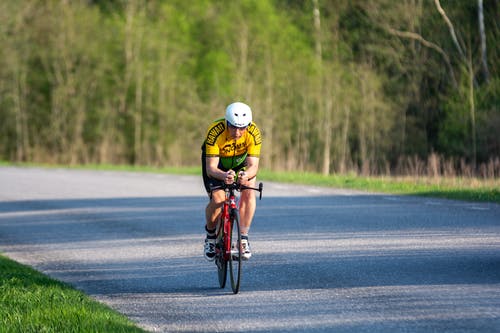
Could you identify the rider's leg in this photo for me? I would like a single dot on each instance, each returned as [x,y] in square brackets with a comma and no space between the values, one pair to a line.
[247,208]
[213,209]
[212,212]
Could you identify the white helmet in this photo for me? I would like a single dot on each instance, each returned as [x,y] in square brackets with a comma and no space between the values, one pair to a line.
[239,114]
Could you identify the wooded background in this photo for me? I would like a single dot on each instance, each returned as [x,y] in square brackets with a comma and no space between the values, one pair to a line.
[372,87]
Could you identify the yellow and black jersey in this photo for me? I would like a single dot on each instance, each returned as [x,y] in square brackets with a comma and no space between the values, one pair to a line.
[218,143]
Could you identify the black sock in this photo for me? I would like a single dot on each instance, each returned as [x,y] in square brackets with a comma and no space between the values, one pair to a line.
[210,233]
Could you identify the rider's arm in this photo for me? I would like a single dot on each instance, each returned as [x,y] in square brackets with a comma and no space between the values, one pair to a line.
[252,166]
[254,142]
[214,172]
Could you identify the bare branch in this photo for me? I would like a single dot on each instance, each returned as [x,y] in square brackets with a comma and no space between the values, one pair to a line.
[452,29]
[426,43]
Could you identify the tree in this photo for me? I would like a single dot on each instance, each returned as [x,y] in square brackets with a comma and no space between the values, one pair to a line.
[336,86]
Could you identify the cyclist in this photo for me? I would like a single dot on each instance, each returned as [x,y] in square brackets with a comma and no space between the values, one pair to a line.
[231,147]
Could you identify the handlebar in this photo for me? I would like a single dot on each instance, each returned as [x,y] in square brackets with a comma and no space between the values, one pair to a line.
[239,187]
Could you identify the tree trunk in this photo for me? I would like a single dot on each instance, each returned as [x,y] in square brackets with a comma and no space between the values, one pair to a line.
[243,82]
[22,142]
[269,123]
[323,109]
[472,113]
[345,136]
[482,35]
[327,136]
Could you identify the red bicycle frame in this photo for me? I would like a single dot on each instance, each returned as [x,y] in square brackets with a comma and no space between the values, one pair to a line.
[229,203]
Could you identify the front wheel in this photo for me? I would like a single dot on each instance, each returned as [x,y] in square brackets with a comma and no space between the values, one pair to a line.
[235,259]
[221,263]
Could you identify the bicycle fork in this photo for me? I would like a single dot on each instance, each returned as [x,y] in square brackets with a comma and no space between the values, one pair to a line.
[227,217]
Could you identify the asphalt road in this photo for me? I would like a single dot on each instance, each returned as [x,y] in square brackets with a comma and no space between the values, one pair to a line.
[324,260]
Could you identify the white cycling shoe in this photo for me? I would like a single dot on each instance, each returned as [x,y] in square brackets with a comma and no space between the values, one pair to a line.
[246,253]
[209,249]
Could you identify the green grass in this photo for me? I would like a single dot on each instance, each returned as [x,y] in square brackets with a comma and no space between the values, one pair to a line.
[32,302]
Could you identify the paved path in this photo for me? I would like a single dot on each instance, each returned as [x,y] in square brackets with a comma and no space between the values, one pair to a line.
[324,260]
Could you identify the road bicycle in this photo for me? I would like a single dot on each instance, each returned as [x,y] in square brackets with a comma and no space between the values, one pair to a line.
[228,243]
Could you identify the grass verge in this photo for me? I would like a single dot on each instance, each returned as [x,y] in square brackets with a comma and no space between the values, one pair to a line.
[33,302]
[467,189]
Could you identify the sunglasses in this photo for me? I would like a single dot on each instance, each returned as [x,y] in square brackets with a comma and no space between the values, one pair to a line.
[236,127]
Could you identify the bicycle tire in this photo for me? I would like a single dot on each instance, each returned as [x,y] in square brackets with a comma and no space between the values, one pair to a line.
[235,259]
[221,263]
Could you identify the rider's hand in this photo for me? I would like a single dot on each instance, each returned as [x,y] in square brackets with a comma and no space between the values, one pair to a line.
[242,177]
[229,179]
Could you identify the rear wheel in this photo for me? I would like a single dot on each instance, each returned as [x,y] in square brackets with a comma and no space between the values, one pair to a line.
[235,259]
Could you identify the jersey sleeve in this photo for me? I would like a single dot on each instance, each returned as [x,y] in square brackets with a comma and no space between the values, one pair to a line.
[255,141]
[214,131]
